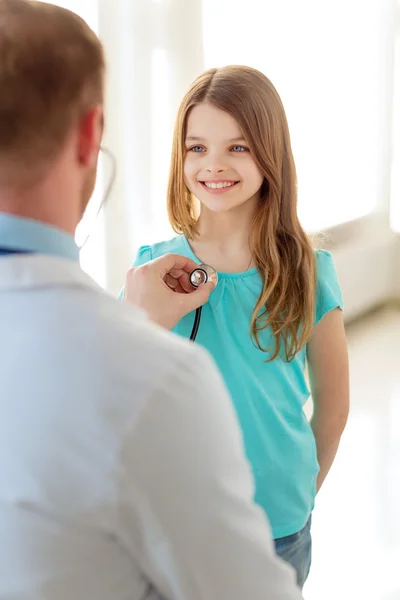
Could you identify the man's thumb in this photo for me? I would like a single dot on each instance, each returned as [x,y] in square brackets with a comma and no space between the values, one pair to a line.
[200,296]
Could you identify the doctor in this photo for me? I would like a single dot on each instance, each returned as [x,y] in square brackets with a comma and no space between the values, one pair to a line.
[122,473]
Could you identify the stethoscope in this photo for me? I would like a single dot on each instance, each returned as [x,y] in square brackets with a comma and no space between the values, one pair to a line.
[198,277]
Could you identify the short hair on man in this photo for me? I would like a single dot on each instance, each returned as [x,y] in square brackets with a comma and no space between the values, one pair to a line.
[51,71]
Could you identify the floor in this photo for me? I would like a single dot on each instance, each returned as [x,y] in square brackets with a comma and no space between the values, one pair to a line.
[356,524]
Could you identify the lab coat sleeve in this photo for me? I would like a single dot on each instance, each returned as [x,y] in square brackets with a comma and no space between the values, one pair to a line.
[187,512]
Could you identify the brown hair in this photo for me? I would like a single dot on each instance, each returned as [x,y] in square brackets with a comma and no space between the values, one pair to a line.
[51,72]
[282,251]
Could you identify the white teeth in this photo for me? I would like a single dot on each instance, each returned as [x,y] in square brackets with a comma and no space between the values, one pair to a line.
[217,186]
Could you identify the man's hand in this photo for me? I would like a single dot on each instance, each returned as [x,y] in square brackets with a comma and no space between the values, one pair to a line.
[162,288]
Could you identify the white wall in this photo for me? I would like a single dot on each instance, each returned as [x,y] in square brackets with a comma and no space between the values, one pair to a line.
[366,251]
[396,273]
[367,263]
[331,64]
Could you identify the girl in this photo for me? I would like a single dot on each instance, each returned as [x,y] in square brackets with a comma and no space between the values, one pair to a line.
[232,198]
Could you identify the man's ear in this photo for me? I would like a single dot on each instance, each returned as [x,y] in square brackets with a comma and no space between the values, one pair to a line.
[90,133]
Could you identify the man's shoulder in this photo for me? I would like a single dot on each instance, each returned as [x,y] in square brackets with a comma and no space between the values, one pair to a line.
[135,345]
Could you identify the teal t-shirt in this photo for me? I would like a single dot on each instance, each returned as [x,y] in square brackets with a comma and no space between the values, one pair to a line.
[268,397]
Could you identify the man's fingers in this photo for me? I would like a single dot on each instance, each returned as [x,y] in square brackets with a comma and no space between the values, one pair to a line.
[171,262]
[184,280]
[171,281]
[179,279]
[198,297]
[174,284]
[178,273]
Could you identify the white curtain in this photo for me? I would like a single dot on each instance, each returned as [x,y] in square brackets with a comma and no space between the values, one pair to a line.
[154,50]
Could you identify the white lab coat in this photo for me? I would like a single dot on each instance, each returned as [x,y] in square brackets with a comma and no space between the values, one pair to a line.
[122,472]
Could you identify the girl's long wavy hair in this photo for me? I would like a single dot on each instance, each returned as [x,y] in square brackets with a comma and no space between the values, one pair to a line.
[282,251]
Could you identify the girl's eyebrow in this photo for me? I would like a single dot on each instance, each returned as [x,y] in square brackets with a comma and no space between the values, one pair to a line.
[192,138]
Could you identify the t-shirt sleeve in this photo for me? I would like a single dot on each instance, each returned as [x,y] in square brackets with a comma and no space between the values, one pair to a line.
[143,256]
[328,293]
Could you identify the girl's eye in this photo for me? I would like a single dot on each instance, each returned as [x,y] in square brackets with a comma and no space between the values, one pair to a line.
[239,149]
[196,149]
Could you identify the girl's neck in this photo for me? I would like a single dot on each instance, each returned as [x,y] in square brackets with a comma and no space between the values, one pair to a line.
[227,227]
[223,241]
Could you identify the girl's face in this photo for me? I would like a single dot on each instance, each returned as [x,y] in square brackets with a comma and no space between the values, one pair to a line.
[219,169]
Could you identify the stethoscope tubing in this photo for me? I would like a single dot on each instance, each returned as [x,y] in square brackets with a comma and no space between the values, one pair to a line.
[200,276]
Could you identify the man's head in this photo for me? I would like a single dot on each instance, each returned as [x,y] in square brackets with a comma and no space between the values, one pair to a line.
[51,118]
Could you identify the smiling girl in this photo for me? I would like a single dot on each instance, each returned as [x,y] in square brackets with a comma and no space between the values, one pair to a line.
[232,200]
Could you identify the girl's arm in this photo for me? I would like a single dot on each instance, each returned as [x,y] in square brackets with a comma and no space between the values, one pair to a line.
[329,379]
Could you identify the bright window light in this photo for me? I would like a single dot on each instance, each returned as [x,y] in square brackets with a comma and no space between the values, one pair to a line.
[162,122]
[326,59]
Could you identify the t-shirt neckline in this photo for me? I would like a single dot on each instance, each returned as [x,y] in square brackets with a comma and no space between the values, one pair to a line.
[223,275]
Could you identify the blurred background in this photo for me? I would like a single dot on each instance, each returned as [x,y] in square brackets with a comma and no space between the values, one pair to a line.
[336,66]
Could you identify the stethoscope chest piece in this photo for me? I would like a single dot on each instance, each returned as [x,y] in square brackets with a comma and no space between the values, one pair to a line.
[199,277]
[202,275]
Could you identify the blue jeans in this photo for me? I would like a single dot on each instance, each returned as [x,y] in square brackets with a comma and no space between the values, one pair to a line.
[296,550]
